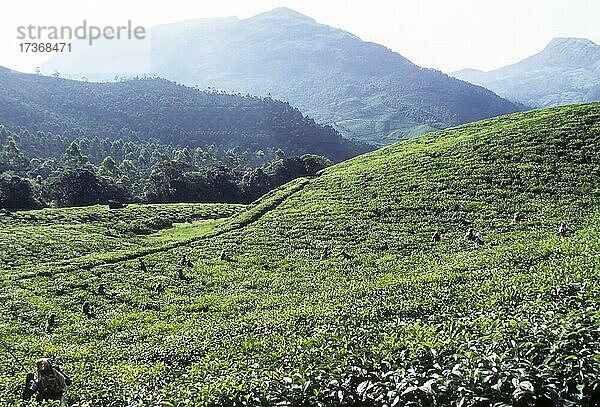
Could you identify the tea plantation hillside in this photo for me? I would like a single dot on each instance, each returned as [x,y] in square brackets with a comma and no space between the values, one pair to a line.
[331,290]
[54,235]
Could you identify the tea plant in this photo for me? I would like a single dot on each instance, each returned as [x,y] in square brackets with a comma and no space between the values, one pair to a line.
[331,291]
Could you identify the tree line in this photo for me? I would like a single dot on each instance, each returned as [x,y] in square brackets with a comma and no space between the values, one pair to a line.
[44,169]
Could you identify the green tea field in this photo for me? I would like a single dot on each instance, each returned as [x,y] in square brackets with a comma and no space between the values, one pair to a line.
[356,287]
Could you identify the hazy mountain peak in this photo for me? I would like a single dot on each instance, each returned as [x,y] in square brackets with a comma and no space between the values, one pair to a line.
[574,50]
[284,13]
[571,52]
[570,42]
[566,71]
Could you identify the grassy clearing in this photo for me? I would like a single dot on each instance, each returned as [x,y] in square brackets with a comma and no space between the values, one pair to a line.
[183,231]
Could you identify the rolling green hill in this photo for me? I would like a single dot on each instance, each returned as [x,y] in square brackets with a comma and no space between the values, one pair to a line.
[365,90]
[387,317]
[157,110]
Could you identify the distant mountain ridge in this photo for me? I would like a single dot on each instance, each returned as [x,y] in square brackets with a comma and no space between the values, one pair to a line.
[365,90]
[158,110]
[566,71]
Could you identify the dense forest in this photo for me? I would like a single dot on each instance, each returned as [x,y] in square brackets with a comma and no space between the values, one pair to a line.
[44,169]
[70,143]
[159,111]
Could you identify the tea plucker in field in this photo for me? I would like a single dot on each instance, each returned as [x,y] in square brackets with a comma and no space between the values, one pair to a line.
[50,384]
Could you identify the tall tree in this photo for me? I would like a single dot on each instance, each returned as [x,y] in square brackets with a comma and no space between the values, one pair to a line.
[74,158]
[13,156]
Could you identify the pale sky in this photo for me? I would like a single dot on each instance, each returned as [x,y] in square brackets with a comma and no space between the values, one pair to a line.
[444,34]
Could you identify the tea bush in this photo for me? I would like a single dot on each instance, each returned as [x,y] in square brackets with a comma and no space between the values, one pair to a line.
[265,318]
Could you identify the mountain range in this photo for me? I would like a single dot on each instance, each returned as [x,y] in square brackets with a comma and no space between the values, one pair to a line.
[365,90]
[566,71]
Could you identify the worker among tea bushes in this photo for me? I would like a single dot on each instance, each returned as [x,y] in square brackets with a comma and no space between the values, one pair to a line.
[185,262]
[50,384]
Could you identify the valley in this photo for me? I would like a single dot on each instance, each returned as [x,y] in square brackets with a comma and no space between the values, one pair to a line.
[299,207]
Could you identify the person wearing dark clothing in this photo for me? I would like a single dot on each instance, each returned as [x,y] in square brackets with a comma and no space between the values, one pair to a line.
[50,384]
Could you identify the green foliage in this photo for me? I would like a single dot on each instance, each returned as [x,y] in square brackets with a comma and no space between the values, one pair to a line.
[160,111]
[146,172]
[12,155]
[53,235]
[74,159]
[285,169]
[16,193]
[263,318]
[80,187]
